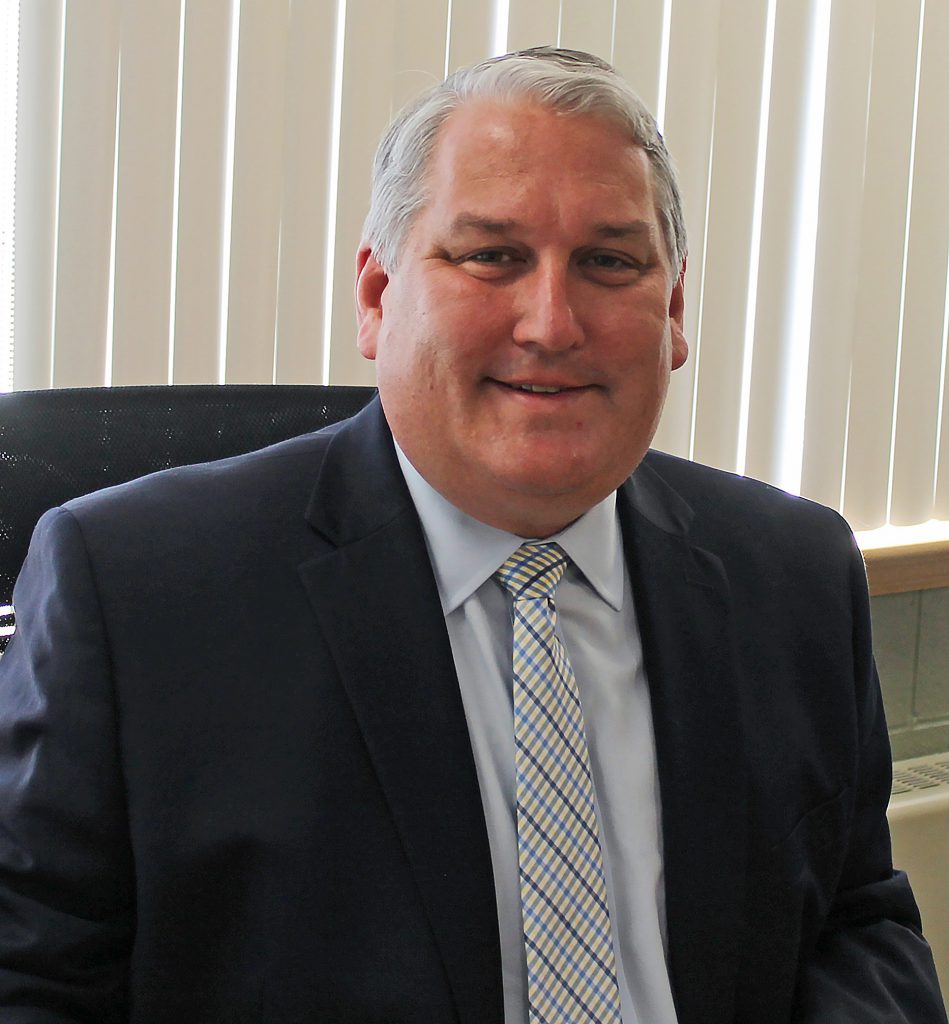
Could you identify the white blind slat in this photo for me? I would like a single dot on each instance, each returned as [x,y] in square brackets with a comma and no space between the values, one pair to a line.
[941,503]
[741,54]
[783,203]
[587,25]
[374,87]
[834,300]
[307,152]
[880,262]
[917,417]
[145,191]
[637,48]
[687,125]
[471,32]
[258,182]
[418,58]
[87,172]
[532,23]
[37,147]
[367,78]
[201,190]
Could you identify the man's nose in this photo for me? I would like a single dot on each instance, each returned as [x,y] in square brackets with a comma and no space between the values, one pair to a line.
[545,313]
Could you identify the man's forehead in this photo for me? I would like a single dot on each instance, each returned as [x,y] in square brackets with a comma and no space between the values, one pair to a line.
[494,191]
[482,140]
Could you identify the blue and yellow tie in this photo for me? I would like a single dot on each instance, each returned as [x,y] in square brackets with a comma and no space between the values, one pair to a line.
[571,973]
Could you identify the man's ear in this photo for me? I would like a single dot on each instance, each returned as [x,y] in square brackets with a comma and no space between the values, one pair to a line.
[371,281]
[680,347]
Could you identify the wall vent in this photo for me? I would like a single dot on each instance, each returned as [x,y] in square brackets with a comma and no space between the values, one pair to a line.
[922,773]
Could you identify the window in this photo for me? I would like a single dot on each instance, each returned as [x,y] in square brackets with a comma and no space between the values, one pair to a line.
[198,173]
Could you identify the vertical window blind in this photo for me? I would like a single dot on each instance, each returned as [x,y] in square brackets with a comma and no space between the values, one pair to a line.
[192,177]
[9,14]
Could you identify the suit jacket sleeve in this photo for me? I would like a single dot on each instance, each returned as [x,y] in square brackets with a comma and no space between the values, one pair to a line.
[870,962]
[66,883]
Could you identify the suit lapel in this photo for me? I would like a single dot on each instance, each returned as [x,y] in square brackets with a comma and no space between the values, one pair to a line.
[682,605]
[375,596]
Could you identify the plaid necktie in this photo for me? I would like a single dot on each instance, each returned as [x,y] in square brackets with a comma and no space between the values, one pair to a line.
[571,974]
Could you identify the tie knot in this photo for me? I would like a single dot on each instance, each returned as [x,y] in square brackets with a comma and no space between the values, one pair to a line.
[533,571]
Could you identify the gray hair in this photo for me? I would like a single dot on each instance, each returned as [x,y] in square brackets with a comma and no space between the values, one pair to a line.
[565,80]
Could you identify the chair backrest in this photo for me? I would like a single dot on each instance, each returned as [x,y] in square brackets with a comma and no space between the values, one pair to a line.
[58,444]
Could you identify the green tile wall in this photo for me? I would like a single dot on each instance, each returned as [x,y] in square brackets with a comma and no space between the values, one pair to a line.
[911,642]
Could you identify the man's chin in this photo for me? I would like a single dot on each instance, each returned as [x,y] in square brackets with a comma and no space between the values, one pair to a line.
[563,478]
[545,502]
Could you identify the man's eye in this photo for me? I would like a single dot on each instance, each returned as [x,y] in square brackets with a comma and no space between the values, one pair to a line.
[491,256]
[610,261]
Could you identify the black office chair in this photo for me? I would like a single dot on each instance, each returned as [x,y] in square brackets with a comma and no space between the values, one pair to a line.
[56,445]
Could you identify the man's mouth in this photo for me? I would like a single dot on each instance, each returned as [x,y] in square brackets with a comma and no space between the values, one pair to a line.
[538,389]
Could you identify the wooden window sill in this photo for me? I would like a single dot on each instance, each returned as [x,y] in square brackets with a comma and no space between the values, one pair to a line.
[897,570]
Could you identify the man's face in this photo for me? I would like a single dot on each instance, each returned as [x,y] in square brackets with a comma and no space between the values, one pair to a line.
[523,345]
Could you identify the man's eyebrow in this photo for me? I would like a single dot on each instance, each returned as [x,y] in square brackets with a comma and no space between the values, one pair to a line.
[492,226]
[472,221]
[624,230]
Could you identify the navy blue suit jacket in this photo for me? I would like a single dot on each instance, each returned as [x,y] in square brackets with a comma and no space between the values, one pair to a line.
[236,782]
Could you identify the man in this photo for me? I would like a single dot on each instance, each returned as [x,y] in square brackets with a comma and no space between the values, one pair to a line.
[265,755]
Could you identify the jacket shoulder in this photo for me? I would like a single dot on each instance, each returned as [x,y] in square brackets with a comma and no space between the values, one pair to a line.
[708,490]
[751,523]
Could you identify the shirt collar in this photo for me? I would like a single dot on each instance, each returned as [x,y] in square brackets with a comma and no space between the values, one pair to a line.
[465,552]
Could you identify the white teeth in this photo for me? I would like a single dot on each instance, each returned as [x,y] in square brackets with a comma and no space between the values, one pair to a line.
[538,389]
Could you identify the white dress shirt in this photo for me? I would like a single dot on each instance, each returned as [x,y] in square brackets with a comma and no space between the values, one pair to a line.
[597,623]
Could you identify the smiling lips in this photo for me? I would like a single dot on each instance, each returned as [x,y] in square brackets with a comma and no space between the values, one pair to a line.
[542,389]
